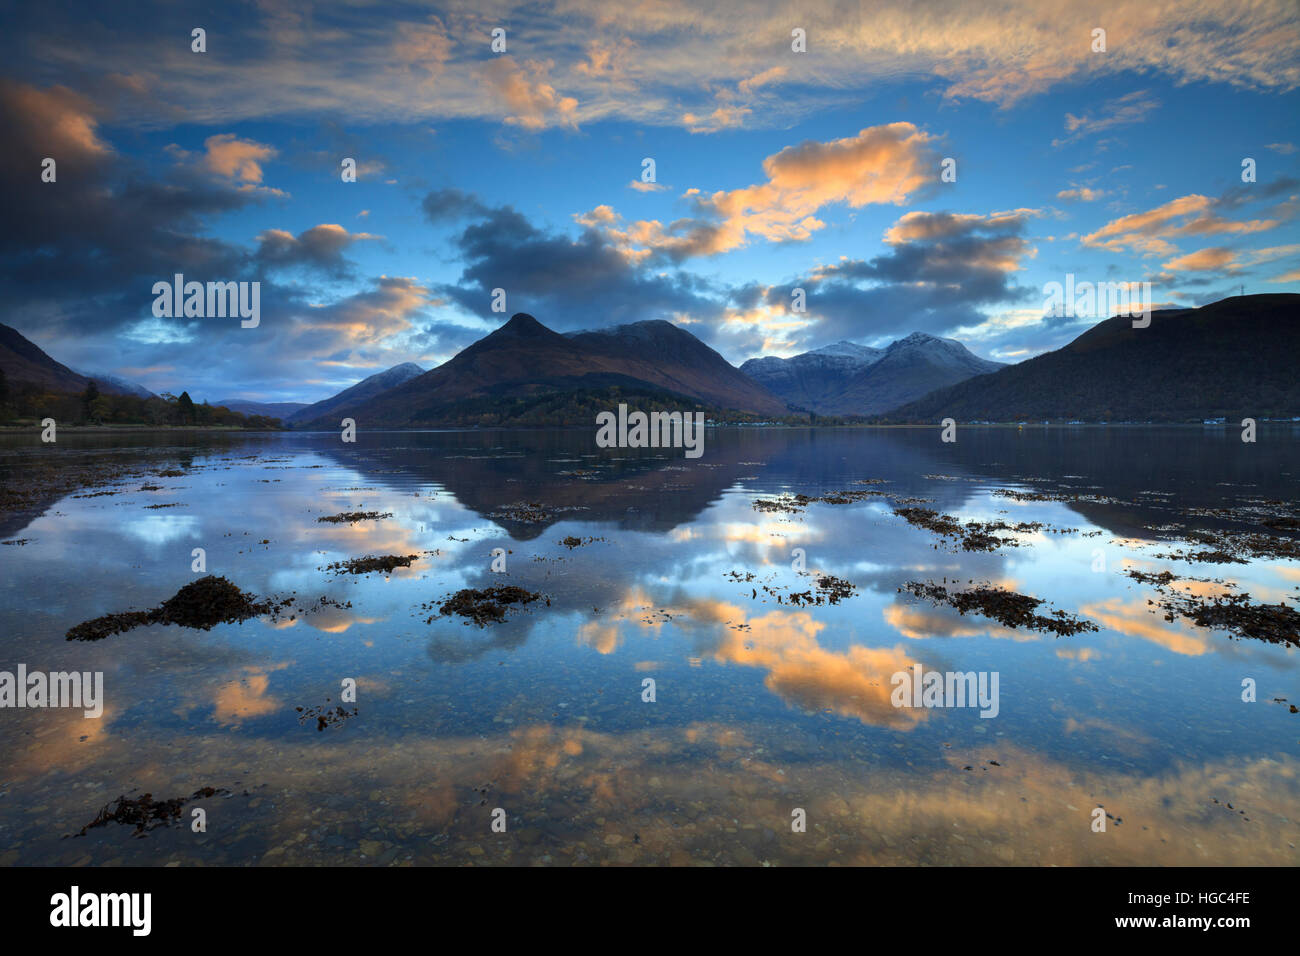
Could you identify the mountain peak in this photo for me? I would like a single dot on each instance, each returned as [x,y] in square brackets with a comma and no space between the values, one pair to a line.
[847,349]
[523,325]
[918,338]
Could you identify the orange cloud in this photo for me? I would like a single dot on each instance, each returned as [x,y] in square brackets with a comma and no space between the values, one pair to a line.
[1135,619]
[880,165]
[1148,232]
[854,683]
[1215,257]
[234,158]
[531,102]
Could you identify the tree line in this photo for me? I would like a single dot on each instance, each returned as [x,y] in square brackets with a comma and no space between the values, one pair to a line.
[23,403]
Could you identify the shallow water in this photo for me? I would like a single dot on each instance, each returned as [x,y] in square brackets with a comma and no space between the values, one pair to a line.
[761,707]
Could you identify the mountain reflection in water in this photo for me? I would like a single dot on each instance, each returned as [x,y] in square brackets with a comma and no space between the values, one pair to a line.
[764,702]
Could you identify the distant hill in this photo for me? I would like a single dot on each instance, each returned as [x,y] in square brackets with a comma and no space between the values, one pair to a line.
[108,382]
[524,371]
[354,395]
[23,361]
[280,410]
[846,379]
[38,387]
[813,380]
[1233,358]
[909,369]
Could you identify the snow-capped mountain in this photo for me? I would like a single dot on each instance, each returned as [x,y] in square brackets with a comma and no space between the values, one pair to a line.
[850,379]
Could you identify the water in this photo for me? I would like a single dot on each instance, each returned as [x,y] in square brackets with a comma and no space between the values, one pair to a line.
[762,708]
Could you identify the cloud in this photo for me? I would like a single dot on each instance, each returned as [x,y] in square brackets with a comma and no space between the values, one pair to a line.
[606,61]
[362,319]
[567,282]
[531,102]
[1082,194]
[424,47]
[649,65]
[83,252]
[80,257]
[724,117]
[940,270]
[237,159]
[880,165]
[1228,261]
[1124,111]
[765,78]
[449,204]
[1215,257]
[1149,232]
[320,247]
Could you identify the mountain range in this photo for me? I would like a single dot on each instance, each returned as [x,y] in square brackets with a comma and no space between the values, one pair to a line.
[852,380]
[525,373]
[291,412]
[1231,358]
[280,410]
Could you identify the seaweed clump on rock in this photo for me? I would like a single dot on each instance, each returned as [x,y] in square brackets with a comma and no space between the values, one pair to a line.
[1005,607]
[145,813]
[203,604]
[486,606]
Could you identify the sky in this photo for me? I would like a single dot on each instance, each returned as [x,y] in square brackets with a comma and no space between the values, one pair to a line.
[793,147]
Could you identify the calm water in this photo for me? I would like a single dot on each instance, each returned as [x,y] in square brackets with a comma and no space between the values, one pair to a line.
[761,707]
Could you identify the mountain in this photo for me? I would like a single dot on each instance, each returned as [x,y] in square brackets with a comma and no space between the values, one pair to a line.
[108,382]
[336,405]
[525,369]
[662,354]
[848,379]
[22,361]
[813,380]
[909,369]
[1232,358]
[280,410]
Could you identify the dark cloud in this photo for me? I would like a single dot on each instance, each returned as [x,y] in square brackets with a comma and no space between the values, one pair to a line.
[567,283]
[320,248]
[1251,192]
[448,204]
[88,247]
[938,274]
[80,256]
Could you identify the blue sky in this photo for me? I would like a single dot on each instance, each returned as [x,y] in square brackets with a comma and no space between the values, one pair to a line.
[776,170]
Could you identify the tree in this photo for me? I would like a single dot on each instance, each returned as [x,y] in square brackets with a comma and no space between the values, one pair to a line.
[4,387]
[88,397]
[186,406]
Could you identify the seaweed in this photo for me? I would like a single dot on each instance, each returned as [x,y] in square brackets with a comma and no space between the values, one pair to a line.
[1005,607]
[203,604]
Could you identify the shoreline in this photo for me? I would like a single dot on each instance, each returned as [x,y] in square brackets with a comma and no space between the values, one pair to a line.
[232,430]
[115,429]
